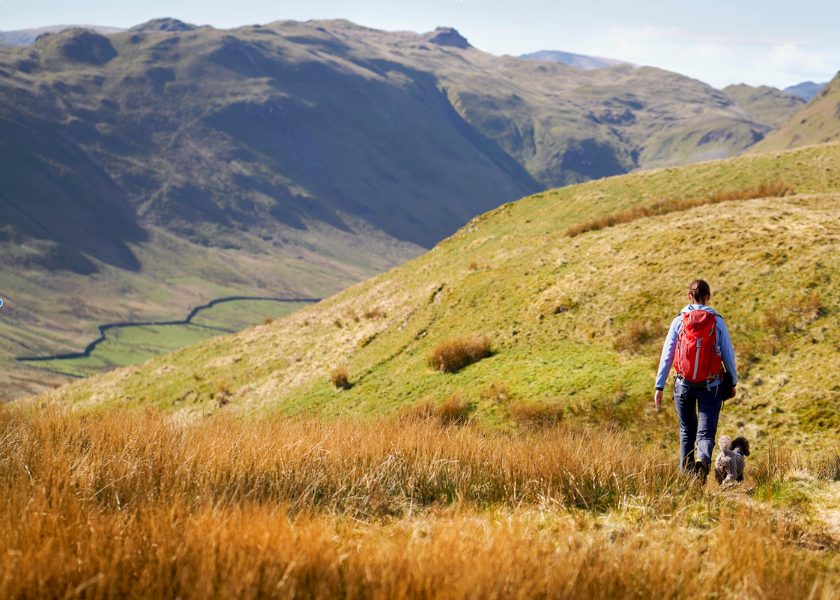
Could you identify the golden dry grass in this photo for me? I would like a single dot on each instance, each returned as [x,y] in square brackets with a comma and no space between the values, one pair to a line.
[375,313]
[766,190]
[118,459]
[454,354]
[453,411]
[536,414]
[340,377]
[638,334]
[136,505]
[254,553]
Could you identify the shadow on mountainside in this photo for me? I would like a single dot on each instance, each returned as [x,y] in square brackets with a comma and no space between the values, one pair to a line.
[58,192]
[399,157]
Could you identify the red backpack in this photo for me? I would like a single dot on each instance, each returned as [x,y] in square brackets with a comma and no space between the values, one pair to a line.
[698,355]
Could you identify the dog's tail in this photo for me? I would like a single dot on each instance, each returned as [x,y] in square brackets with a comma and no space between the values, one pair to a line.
[724,443]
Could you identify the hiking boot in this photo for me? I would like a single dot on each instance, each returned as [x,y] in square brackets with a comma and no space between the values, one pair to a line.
[702,471]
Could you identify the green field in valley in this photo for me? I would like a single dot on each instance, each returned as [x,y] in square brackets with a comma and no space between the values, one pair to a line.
[135,344]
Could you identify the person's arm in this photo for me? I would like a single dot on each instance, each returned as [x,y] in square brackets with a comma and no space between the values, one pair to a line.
[667,359]
[668,351]
[727,352]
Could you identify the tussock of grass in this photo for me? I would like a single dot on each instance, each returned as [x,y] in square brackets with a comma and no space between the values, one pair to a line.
[455,354]
[771,190]
[536,414]
[453,411]
[638,334]
[769,470]
[340,377]
[375,313]
[828,465]
[222,395]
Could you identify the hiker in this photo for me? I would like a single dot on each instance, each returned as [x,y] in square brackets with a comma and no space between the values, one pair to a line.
[699,341]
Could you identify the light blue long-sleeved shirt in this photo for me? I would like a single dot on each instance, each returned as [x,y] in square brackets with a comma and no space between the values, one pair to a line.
[727,354]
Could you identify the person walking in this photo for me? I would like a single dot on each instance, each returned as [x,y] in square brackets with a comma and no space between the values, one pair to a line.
[699,347]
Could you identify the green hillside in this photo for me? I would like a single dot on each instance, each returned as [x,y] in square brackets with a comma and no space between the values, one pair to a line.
[575,323]
[817,122]
[152,170]
[768,104]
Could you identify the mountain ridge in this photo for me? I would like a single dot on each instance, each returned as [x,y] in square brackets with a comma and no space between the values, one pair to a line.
[25,37]
[581,61]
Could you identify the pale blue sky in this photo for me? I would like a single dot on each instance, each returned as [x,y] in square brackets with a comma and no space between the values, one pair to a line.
[717,41]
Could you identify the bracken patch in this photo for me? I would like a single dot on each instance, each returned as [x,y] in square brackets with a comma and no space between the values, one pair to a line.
[771,190]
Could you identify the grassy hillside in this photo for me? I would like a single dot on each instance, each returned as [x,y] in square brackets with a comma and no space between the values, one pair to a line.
[817,122]
[576,323]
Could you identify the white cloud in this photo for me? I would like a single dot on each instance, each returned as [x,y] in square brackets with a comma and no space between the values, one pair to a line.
[720,59]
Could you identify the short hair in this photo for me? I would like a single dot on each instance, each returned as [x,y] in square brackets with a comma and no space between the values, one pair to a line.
[699,289]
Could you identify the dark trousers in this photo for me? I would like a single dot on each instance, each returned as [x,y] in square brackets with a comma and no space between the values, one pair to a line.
[698,410]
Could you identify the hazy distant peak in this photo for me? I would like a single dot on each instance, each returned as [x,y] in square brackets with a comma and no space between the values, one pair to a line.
[25,37]
[447,36]
[805,90]
[164,25]
[580,61]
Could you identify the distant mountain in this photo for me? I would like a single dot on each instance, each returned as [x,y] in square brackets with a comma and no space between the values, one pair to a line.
[768,104]
[814,123]
[151,170]
[805,90]
[164,25]
[25,37]
[579,61]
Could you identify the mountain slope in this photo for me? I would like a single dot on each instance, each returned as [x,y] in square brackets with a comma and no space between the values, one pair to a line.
[574,321]
[815,123]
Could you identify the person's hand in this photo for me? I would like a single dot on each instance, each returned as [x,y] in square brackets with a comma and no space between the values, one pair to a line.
[734,391]
[657,398]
